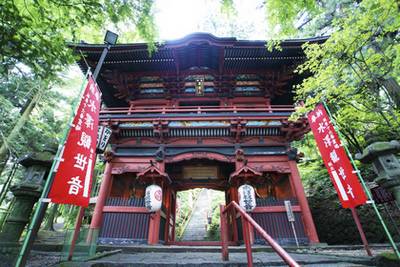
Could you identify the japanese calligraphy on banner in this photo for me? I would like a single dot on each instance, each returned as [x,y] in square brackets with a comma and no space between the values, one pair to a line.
[74,170]
[341,172]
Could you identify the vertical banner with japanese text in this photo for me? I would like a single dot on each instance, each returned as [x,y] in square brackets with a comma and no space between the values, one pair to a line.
[341,172]
[74,170]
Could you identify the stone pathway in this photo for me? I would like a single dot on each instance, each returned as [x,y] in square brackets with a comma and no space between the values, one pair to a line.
[211,257]
[196,228]
[214,260]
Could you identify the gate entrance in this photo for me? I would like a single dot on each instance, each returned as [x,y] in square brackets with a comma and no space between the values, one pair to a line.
[202,112]
[198,216]
[201,186]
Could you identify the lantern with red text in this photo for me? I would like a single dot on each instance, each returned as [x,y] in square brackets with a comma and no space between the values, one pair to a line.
[153,198]
[247,197]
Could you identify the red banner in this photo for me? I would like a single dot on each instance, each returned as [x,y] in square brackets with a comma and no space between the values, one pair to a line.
[341,172]
[74,170]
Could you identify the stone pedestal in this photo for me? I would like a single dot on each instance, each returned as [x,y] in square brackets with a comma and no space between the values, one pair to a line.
[25,197]
[382,155]
[26,194]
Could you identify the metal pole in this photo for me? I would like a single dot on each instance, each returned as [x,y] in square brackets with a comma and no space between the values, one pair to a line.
[40,210]
[294,233]
[391,218]
[361,231]
[78,224]
[389,236]
[100,62]
[82,209]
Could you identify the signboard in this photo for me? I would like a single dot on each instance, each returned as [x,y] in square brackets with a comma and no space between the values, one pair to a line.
[381,195]
[74,170]
[341,172]
[289,210]
[103,136]
[200,172]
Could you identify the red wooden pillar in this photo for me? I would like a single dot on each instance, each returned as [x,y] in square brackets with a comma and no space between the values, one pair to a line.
[154,228]
[251,233]
[301,197]
[234,197]
[168,215]
[247,241]
[101,200]
[224,233]
[173,212]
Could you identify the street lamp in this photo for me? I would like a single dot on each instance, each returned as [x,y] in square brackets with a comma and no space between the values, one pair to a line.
[110,39]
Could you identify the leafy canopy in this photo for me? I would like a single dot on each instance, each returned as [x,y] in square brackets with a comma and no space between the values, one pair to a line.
[34,32]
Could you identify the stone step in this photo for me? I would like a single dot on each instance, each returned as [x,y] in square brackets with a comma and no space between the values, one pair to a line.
[196,228]
[209,259]
[144,255]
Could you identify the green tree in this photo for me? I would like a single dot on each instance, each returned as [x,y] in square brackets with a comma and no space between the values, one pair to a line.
[356,71]
[34,37]
[34,33]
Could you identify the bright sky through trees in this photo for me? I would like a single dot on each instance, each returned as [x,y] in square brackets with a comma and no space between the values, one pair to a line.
[177,18]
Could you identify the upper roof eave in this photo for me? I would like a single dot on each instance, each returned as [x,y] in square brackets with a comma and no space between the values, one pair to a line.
[199,37]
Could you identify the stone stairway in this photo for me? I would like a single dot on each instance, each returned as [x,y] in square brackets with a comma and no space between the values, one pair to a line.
[196,228]
[210,256]
[213,259]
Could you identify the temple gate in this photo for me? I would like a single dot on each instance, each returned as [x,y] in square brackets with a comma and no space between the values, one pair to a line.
[199,112]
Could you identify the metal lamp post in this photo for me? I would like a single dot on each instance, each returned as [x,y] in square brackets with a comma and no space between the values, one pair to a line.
[110,39]
[103,134]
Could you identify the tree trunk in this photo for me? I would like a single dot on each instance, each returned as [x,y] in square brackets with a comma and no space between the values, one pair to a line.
[49,225]
[17,128]
[3,163]
[393,90]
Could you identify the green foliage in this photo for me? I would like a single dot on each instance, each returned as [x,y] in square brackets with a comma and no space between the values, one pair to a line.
[282,15]
[34,33]
[354,71]
[47,120]
[186,201]
[228,8]
[213,229]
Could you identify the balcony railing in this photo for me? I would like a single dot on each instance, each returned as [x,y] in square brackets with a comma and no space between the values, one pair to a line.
[178,112]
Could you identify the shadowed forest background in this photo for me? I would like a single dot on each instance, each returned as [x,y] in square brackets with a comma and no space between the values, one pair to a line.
[356,71]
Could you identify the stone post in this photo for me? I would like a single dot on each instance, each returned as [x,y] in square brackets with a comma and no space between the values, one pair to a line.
[26,193]
[386,165]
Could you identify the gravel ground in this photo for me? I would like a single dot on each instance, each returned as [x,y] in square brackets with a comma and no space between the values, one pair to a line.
[43,259]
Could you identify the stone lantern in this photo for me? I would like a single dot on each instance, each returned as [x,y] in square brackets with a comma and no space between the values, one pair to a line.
[26,193]
[386,165]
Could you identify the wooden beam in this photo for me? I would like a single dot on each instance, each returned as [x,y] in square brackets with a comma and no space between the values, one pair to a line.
[125,209]
[267,209]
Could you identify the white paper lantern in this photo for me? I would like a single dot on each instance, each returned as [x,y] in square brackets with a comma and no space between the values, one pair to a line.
[153,198]
[247,197]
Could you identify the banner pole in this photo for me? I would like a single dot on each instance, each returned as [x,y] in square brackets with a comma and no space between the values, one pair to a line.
[41,206]
[356,219]
[389,236]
